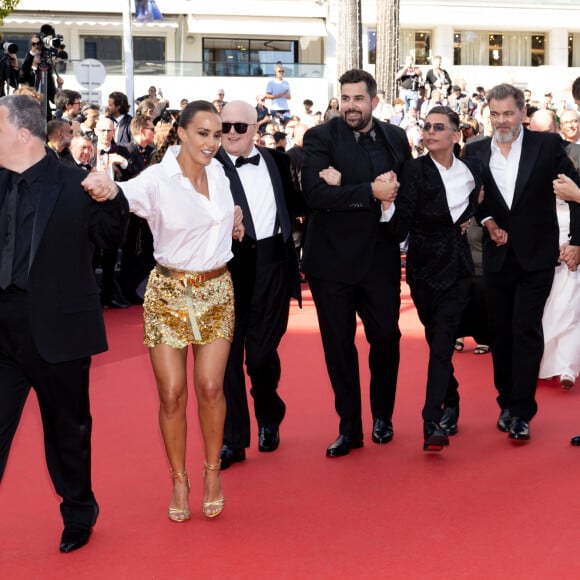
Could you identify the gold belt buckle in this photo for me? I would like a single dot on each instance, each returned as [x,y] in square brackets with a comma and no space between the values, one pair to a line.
[193,279]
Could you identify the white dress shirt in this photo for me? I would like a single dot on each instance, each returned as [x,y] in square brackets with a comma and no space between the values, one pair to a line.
[190,231]
[259,192]
[505,169]
[459,183]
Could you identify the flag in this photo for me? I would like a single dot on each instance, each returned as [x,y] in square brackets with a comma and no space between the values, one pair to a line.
[147,11]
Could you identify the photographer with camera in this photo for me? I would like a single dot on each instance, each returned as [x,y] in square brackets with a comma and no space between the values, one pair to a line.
[37,69]
[9,68]
[410,77]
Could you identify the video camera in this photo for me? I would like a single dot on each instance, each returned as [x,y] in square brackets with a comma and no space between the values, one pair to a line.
[10,48]
[51,41]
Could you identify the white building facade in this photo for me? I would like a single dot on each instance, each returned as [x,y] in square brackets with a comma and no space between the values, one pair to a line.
[201,46]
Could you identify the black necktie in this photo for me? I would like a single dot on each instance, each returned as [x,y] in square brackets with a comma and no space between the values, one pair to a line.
[7,255]
[255,160]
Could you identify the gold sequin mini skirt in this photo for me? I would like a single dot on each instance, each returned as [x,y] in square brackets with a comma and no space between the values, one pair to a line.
[182,308]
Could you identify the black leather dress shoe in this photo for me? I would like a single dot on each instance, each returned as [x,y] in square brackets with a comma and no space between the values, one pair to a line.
[74,536]
[115,303]
[504,420]
[268,438]
[343,445]
[575,440]
[382,431]
[449,420]
[229,455]
[434,436]
[519,429]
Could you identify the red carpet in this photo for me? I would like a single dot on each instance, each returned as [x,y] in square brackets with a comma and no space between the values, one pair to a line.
[483,508]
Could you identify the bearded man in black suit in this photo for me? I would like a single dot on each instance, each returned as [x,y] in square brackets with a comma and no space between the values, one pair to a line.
[265,275]
[50,312]
[351,257]
[520,248]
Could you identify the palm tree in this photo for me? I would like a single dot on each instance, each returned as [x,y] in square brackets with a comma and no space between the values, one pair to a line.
[388,47]
[349,48]
[6,7]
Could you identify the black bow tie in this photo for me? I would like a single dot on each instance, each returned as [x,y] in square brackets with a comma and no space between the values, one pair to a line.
[103,152]
[254,160]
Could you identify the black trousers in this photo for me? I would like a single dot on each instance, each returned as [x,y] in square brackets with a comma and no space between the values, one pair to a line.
[137,259]
[376,300]
[440,312]
[259,329]
[515,302]
[62,390]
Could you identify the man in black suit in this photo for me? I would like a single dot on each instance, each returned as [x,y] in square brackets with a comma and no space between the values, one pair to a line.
[265,275]
[113,160]
[351,258]
[50,315]
[520,248]
[137,259]
[438,197]
[118,110]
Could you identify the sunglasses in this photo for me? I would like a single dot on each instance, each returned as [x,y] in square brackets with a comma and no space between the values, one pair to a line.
[437,127]
[240,128]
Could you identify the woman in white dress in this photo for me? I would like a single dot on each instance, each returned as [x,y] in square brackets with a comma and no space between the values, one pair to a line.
[561,321]
[187,203]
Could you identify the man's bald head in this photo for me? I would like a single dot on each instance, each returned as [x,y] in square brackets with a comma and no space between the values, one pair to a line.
[239,112]
[544,120]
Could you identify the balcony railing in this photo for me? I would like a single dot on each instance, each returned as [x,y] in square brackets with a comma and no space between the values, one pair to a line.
[209,69]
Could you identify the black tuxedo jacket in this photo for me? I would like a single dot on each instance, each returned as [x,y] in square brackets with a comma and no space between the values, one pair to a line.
[288,203]
[438,253]
[531,222]
[134,158]
[345,235]
[119,174]
[63,295]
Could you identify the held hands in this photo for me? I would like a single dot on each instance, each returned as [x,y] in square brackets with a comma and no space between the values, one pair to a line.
[385,188]
[499,236]
[570,255]
[239,230]
[566,189]
[100,186]
[464,227]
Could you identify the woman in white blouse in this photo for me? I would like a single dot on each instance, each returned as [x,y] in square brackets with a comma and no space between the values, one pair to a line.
[187,203]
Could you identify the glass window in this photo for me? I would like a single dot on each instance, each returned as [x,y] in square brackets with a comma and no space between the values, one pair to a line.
[574,49]
[418,44]
[247,57]
[495,43]
[103,48]
[372,37]
[499,49]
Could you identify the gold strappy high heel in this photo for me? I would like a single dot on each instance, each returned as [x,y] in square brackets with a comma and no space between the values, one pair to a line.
[177,514]
[212,509]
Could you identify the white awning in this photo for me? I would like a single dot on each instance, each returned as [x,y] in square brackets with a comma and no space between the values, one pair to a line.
[67,20]
[252,26]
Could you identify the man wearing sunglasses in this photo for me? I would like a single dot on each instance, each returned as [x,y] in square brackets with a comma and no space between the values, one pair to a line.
[439,195]
[520,248]
[351,257]
[265,275]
